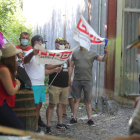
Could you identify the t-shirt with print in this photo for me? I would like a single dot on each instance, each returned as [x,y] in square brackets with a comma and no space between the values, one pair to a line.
[83,61]
[35,71]
[62,78]
[21,59]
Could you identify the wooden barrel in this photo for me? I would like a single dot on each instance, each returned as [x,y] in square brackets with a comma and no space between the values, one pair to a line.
[25,109]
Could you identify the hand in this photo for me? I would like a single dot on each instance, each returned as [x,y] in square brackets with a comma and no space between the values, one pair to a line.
[18,82]
[35,51]
[57,69]
[19,55]
[105,49]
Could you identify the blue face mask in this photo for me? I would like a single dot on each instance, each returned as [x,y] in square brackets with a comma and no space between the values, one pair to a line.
[24,42]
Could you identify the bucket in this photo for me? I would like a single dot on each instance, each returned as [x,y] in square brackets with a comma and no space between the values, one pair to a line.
[25,109]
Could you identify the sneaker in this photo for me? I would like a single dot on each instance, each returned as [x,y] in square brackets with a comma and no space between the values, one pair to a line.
[48,130]
[91,123]
[38,130]
[65,126]
[41,123]
[72,122]
[64,115]
[60,126]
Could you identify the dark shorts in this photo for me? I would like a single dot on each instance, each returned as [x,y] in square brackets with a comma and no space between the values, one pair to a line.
[78,86]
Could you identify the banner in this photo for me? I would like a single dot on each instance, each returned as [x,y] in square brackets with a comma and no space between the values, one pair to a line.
[85,35]
[2,40]
[53,57]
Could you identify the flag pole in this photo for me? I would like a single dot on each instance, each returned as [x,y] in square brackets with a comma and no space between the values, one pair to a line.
[53,79]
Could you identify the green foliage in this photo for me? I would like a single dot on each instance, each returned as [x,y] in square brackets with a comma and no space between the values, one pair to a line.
[12,21]
[45,106]
[96,110]
[46,82]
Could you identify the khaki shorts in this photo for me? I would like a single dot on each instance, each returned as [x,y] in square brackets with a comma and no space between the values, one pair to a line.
[58,95]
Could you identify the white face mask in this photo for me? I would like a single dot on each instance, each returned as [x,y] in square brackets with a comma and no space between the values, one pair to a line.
[61,47]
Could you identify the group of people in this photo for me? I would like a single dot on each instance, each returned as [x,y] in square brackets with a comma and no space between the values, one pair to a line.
[61,86]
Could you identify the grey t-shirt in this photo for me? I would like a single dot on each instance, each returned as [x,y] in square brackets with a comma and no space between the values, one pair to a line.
[83,61]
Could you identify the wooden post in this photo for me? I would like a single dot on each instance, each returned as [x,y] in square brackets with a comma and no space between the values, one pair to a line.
[8,130]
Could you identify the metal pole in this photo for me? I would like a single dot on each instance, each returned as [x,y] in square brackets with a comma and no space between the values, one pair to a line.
[98,50]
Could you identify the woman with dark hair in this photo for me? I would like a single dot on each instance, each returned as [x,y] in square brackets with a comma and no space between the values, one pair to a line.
[8,86]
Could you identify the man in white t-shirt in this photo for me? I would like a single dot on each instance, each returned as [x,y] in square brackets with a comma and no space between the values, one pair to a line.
[36,73]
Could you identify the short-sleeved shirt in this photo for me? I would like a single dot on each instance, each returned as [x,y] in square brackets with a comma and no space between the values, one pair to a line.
[61,80]
[83,61]
[21,60]
[35,71]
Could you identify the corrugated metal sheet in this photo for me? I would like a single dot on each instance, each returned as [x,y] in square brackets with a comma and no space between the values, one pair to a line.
[130,68]
[69,11]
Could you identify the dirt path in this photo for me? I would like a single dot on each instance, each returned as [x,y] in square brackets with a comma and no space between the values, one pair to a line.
[107,126]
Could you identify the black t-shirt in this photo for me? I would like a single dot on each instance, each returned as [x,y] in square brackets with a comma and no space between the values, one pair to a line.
[62,78]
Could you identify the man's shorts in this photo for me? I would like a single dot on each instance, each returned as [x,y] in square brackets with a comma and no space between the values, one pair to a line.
[58,95]
[39,93]
[78,86]
[70,94]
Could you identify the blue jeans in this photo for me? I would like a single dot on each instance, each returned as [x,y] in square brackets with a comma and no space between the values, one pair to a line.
[8,117]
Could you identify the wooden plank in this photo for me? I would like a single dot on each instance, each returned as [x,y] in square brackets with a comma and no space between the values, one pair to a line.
[24,99]
[7,130]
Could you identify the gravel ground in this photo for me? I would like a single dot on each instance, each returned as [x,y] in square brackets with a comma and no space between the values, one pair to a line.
[107,126]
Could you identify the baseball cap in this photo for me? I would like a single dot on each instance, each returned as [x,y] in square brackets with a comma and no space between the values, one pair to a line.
[59,39]
[37,38]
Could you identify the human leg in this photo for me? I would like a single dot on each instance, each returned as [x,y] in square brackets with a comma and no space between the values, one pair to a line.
[76,107]
[88,108]
[87,87]
[76,93]
[37,114]
[9,118]
[53,100]
[49,113]
[71,103]
[39,97]
[60,107]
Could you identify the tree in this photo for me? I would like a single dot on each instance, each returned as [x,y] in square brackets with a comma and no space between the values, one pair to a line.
[12,21]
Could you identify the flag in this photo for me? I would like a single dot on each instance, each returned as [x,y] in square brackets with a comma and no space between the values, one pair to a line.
[53,57]
[85,35]
[2,40]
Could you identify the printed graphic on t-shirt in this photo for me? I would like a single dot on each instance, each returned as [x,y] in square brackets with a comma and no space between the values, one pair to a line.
[65,67]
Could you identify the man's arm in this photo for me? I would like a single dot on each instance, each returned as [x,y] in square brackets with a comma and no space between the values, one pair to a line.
[48,72]
[71,70]
[49,67]
[30,55]
[103,58]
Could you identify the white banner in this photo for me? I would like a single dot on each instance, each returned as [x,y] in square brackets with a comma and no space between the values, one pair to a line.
[85,35]
[53,57]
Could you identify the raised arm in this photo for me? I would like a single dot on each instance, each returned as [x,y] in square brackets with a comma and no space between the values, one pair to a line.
[104,57]
[71,69]
[7,82]
[28,58]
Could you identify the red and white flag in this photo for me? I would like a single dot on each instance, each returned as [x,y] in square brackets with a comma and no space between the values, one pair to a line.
[53,57]
[85,35]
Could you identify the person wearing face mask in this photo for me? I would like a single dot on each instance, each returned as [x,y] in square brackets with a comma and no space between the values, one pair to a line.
[59,89]
[24,41]
[70,97]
